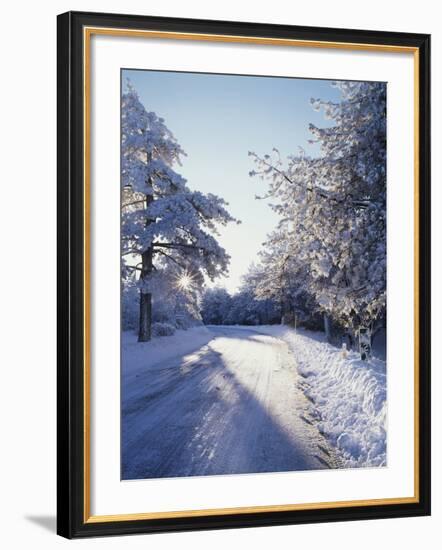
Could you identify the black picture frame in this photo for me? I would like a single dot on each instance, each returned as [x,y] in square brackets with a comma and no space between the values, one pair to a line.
[72,516]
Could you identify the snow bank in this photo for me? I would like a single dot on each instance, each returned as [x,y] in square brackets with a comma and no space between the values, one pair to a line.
[348,396]
[136,355]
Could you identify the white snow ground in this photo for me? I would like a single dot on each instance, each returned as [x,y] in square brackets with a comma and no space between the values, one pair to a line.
[347,396]
[223,400]
[137,357]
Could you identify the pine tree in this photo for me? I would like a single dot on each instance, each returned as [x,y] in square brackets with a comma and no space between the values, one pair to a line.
[163,221]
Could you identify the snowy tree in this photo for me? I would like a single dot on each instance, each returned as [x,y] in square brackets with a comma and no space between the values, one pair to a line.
[280,281]
[130,302]
[163,221]
[216,304]
[273,278]
[219,307]
[333,207]
[246,309]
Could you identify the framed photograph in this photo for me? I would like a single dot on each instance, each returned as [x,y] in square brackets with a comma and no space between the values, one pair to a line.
[243,274]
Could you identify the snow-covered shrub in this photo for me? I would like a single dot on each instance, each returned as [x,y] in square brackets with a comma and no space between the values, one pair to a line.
[313,321]
[185,321]
[162,329]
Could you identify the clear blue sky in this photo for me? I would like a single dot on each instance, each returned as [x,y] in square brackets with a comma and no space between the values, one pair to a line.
[217,119]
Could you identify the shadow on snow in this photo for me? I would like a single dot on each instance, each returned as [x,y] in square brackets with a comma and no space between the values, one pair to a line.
[190,416]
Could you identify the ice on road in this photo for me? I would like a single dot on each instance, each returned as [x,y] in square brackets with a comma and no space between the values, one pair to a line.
[232,406]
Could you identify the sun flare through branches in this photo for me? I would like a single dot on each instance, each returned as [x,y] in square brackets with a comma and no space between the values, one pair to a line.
[184,281]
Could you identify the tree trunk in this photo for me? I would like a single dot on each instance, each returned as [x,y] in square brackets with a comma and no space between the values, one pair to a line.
[145,323]
[145,332]
[327,327]
[284,311]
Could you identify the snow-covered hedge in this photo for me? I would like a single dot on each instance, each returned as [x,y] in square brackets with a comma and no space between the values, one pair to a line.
[162,329]
[348,396]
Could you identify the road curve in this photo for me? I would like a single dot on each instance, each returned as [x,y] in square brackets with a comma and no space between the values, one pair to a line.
[231,407]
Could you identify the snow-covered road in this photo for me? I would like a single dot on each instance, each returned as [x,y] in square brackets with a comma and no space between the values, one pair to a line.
[231,406]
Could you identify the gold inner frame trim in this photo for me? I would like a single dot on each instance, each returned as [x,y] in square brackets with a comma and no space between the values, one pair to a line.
[134,33]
